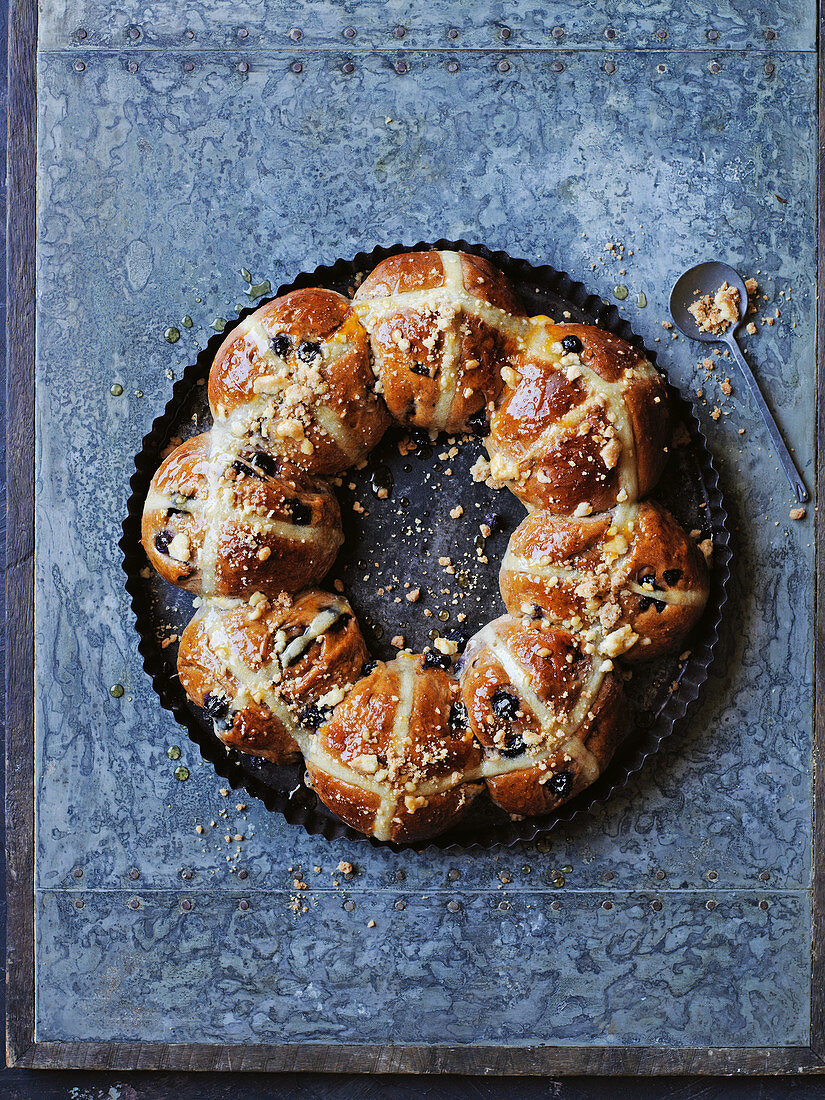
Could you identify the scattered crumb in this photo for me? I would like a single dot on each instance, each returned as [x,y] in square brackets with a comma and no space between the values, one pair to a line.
[797,513]
[715,313]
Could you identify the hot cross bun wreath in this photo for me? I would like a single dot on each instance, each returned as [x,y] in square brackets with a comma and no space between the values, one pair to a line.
[633,573]
[230,520]
[441,325]
[296,377]
[549,713]
[268,672]
[396,760]
[584,422]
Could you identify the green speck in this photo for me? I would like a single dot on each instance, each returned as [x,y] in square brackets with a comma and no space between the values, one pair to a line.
[259,289]
[116,390]
[247,278]
[173,752]
[219,324]
[641,300]
[479,542]
[187,321]
[567,870]
[620,292]
[199,300]
[433,634]
[463,579]
[544,844]
[181,773]
[138,393]
[558,880]
[378,631]
[444,614]
[116,690]
[170,374]
[526,869]
[172,335]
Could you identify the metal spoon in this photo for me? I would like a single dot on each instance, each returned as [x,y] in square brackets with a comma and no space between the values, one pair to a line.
[706,279]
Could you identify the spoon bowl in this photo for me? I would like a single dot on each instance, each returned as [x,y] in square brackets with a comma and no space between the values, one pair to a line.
[697,281]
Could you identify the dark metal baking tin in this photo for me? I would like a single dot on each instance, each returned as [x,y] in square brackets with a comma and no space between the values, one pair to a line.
[659,694]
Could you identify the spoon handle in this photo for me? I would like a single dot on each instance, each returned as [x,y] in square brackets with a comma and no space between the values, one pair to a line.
[788,464]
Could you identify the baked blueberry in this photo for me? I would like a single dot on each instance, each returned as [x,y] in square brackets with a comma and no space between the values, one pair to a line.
[281,345]
[434,659]
[456,634]
[242,467]
[494,521]
[560,783]
[217,707]
[572,343]
[369,666]
[505,705]
[265,463]
[479,423]
[162,541]
[672,576]
[314,716]
[420,368]
[308,350]
[513,744]
[458,717]
[301,513]
[649,578]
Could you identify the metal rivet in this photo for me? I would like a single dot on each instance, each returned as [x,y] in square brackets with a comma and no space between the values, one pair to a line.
[79,903]
[661,34]
[454,906]
[453,874]
[452,66]
[243,66]
[349,906]
[715,67]
[557,32]
[400,875]
[349,32]
[81,33]
[608,876]
[188,66]
[243,905]
[764,903]
[186,874]
[186,905]
[79,67]
[134,873]
[764,875]
[504,66]
[768,68]
[452,33]
[134,903]
[401,66]
[348,67]
[504,905]
[400,904]
[557,67]
[504,33]
[243,32]
[713,876]
[243,873]
[296,34]
[712,36]
[607,905]
[132,66]
[659,875]
[297,67]
[661,68]
[555,905]
[133,32]
[655,906]
[78,872]
[610,66]
[710,904]
[399,32]
[610,32]
[770,35]
[189,33]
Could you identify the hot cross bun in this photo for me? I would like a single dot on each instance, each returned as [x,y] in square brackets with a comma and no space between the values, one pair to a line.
[583,423]
[396,760]
[268,671]
[441,326]
[634,573]
[230,523]
[296,377]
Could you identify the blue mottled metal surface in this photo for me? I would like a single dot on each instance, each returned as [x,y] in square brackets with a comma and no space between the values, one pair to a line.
[156,187]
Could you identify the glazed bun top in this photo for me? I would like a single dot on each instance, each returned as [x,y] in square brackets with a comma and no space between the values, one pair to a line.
[583,423]
[296,375]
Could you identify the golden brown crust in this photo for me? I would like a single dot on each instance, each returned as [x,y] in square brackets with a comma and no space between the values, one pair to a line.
[579,428]
[296,374]
[392,759]
[235,528]
[441,325]
[636,567]
[262,675]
